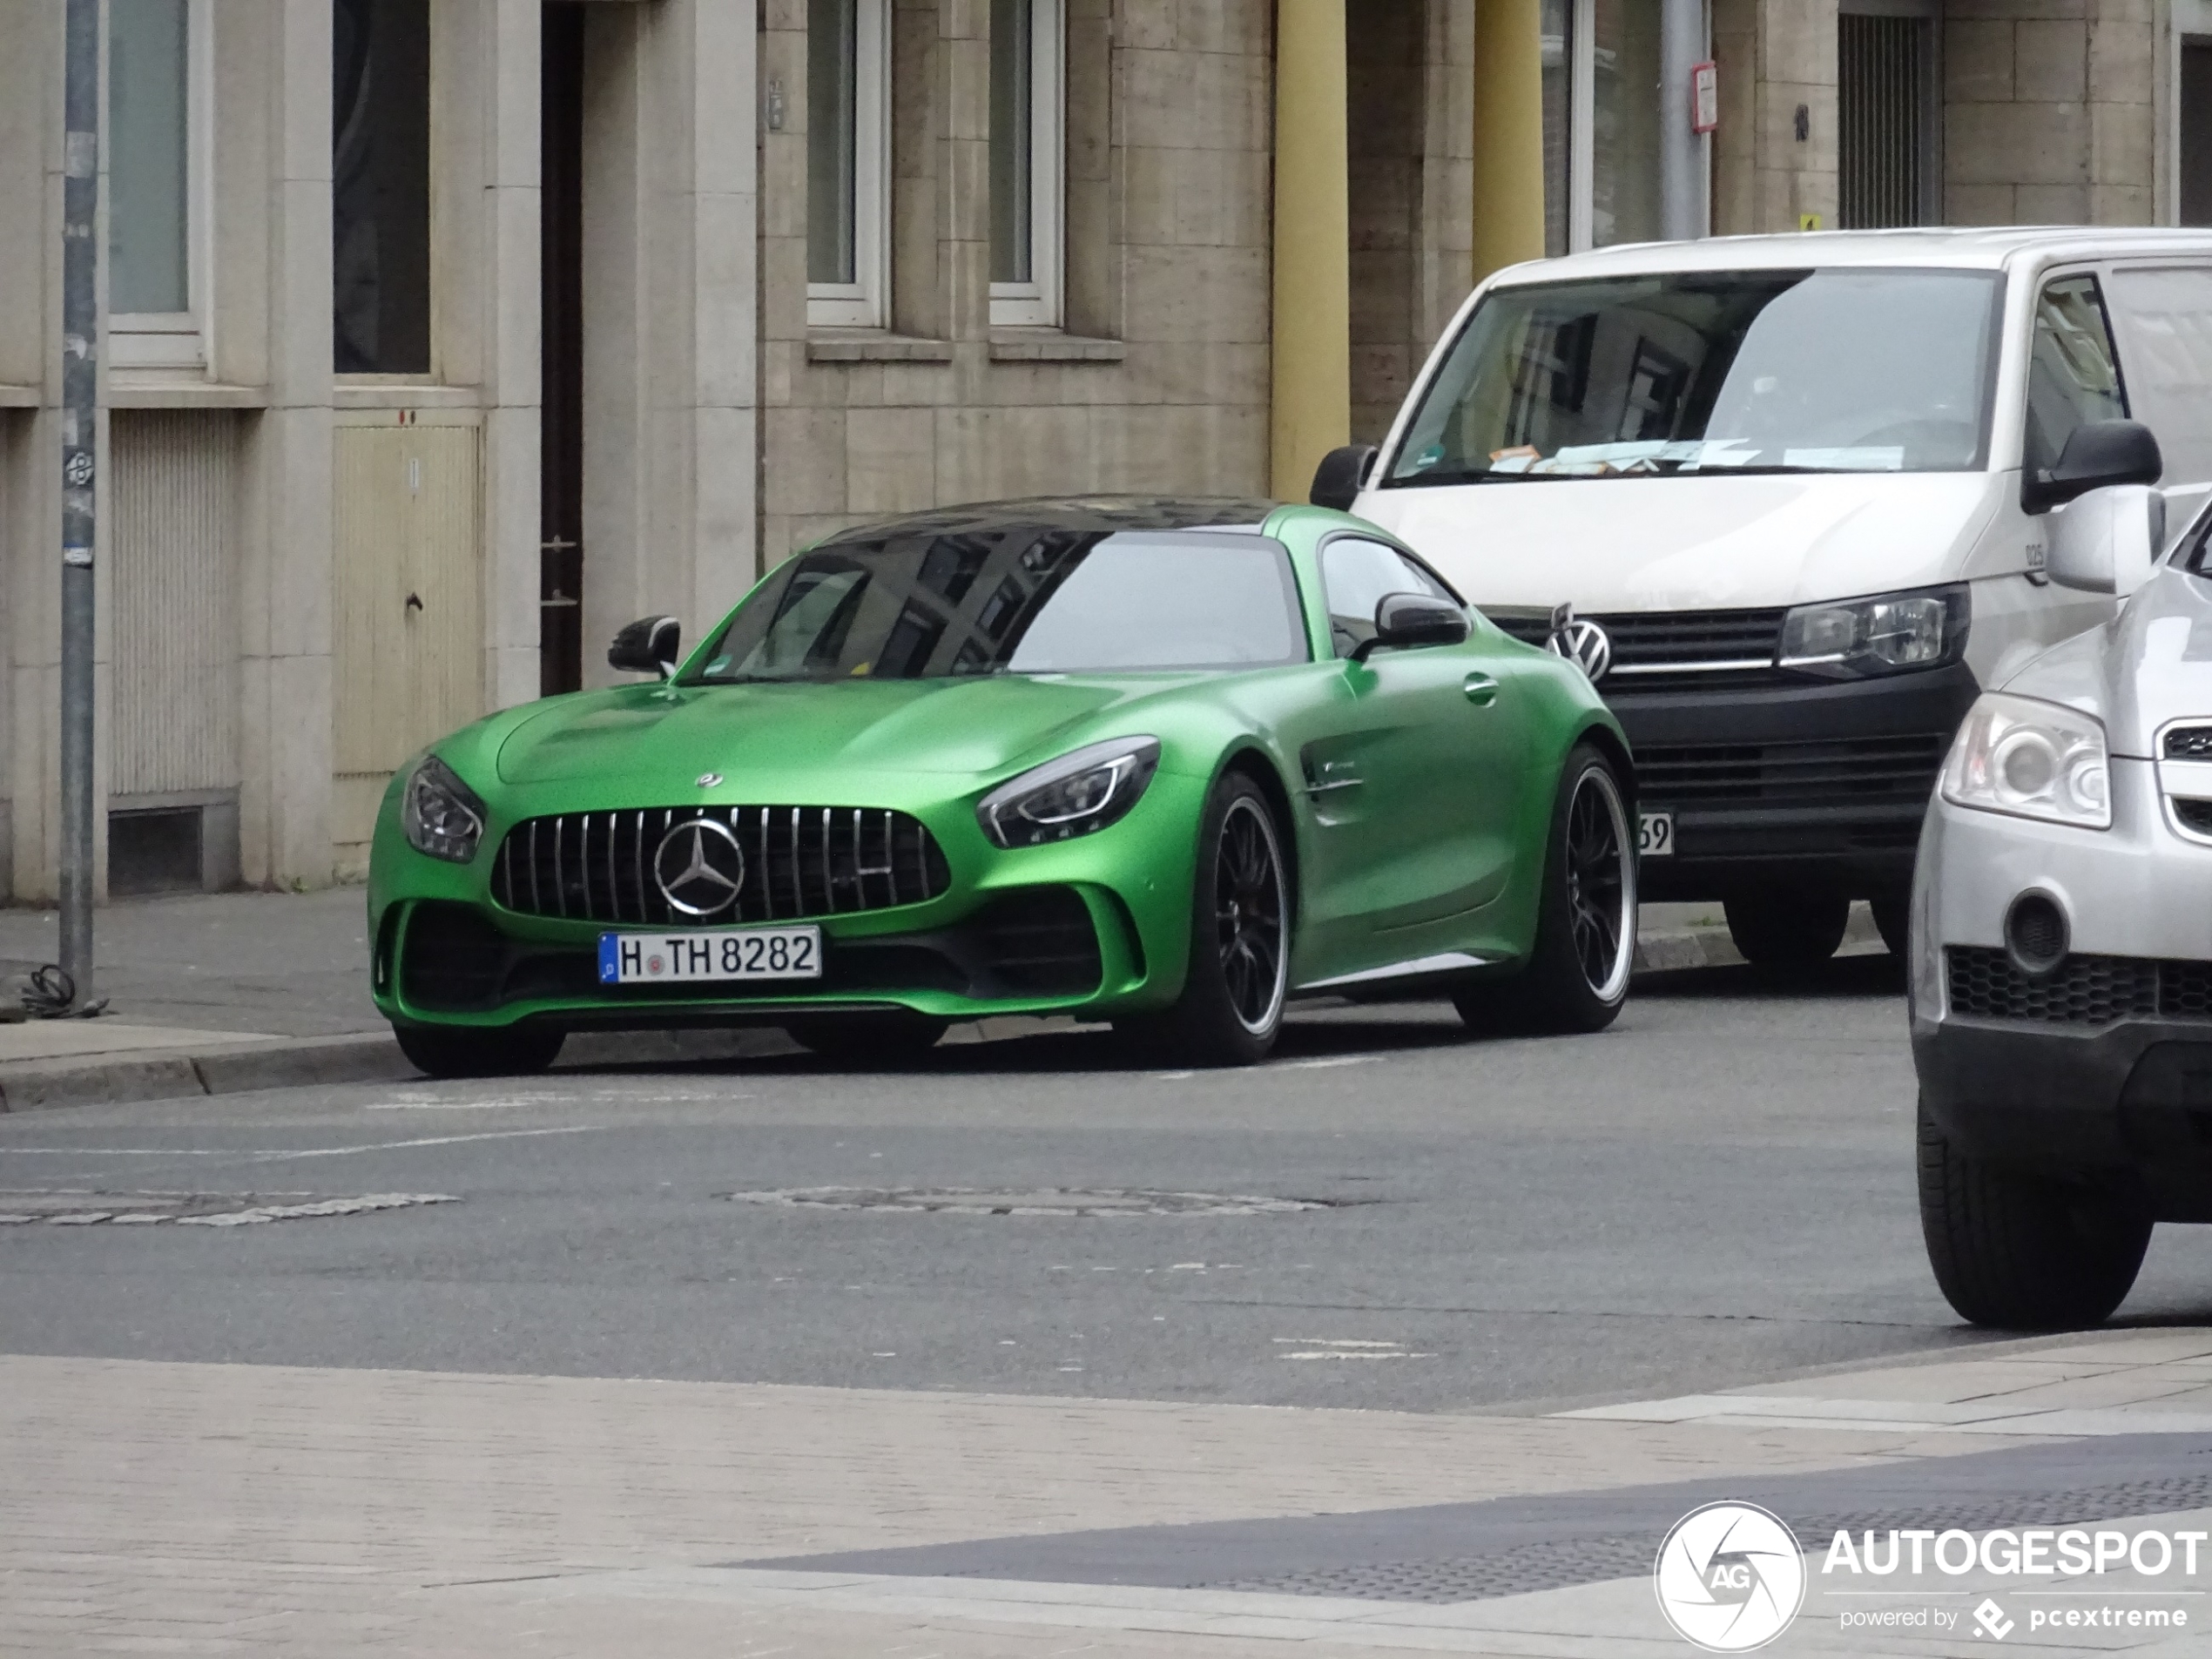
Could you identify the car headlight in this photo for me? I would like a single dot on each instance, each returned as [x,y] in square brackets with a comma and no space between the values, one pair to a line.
[2032,759]
[1888,634]
[441,815]
[1077,794]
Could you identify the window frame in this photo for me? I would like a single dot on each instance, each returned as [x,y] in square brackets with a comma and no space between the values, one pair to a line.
[2045,281]
[1038,303]
[864,302]
[177,339]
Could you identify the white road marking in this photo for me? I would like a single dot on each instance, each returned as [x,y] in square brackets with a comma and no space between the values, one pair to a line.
[1344,1348]
[1331,1059]
[265,1154]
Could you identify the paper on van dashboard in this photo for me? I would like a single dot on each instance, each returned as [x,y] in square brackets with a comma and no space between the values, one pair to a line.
[1686,454]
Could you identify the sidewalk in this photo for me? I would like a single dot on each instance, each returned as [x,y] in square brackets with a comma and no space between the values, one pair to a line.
[243,1510]
[212,994]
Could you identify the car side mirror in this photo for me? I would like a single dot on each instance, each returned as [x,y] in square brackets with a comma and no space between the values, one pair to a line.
[1404,621]
[1341,476]
[2097,455]
[2108,540]
[650,646]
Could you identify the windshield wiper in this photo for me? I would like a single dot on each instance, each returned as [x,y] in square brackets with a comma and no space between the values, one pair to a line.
[1472,476]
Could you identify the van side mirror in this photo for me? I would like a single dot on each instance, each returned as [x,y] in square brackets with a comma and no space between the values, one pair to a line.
[650,646]
[1341,476]
[2098,455]
[2108,540]
[1404,621]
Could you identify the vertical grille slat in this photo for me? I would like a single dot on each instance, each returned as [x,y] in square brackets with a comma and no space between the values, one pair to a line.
[800,862]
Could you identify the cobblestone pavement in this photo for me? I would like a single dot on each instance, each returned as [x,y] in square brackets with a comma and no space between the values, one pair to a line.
[153,1507]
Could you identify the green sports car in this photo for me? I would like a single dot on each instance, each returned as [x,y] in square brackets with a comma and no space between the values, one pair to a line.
[1169,763]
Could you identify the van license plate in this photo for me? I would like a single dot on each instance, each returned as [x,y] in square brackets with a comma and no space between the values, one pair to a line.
[711,954]
[1656,835]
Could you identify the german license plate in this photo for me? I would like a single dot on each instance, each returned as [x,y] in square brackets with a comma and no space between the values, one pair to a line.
[1656,835]
[711,954]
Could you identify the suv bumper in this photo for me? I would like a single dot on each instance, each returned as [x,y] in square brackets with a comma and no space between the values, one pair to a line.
[1807,784]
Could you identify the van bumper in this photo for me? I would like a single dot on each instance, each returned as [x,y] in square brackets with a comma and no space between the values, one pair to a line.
[1821,783]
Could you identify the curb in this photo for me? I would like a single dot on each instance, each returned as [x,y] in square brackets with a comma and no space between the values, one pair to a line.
[371,1057]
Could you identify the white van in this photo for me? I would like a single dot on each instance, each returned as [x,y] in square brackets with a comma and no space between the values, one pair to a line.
[1794,489]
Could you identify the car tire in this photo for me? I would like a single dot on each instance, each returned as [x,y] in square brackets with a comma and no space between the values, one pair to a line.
[890,1038]
[2021,1251]
[1577,976]
[479,1051]
[1231,1010]
[1781,929]
[1893,921]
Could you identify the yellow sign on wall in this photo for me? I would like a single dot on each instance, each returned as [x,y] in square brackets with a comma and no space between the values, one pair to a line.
[1808,221]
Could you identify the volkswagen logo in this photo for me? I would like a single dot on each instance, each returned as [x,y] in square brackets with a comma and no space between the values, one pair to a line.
[699,866]
[1584,644]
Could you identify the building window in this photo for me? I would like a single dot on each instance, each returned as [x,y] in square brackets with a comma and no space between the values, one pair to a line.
[1028,108]
[849,106]
[158,67]
[1602,115]
[380,185]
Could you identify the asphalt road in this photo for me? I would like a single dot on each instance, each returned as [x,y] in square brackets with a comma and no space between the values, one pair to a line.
[1717,1191]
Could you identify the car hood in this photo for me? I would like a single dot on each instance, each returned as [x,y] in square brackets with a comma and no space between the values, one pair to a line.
[1695,543]
[670,734]
[2149,664]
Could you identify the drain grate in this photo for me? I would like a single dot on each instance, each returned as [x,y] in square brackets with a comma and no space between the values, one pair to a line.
[1097,1202]
[1554,1564]
[93,1208]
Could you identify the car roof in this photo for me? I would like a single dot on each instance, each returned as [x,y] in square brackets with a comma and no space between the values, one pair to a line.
[1988,249]
[1073,515]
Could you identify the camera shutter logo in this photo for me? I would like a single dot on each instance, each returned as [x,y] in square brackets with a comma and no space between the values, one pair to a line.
[1729,1577]
[1587,646]
[699,866]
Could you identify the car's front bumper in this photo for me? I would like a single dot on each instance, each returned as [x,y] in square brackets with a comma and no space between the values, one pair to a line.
[1807,784]
[1099,925]
[2102,1069]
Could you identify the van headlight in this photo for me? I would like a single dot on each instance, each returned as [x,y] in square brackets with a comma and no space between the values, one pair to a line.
[2032,759]
[1890,634]
[1076,795]
[442,816]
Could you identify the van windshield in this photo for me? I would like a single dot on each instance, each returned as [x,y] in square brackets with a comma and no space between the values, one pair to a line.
[1845,370]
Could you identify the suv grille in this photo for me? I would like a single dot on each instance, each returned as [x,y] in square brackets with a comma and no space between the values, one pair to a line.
[1673,650]
[2085,990]
[799,861]
[1895,771]
[2189,743]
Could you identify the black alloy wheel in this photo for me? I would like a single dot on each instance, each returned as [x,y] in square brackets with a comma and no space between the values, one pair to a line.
[1230,1007]
[1248,918]
[1575,977]
[1600,882]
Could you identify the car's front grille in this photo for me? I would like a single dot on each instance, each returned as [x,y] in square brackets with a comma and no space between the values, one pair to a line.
[2189,743]
[1673,651]
[799,861]
[1835,772]
[2085,990]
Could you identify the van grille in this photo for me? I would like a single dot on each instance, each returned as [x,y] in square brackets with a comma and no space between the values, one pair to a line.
[1670,650]
[800,861]
[1859,772]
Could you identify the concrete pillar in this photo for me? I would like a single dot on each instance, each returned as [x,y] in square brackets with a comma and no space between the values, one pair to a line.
[513,397]
[1508,134]
[1312,256]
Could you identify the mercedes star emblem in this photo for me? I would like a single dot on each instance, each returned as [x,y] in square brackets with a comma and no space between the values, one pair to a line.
[708,780]
[1584,644]
[699,866]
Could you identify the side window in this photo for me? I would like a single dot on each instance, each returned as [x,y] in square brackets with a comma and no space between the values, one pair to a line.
[2072,372]
[1355,575]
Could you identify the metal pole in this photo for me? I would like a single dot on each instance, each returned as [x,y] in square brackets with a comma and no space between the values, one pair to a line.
[1682,161]
[80,443]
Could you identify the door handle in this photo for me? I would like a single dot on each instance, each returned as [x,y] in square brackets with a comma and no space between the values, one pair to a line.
[1481,690]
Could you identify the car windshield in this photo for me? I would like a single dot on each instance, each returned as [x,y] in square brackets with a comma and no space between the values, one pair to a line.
[1845,370]
[1016,601]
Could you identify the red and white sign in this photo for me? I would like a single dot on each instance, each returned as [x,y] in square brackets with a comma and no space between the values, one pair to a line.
[1704,96]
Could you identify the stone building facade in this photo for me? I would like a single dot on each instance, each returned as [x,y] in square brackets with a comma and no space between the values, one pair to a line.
[444,336]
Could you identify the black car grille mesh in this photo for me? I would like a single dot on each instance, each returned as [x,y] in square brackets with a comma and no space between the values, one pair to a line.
[800,861]
[2189,743]
[2085,990]
[1890,770]
[1655,648]
[2195,814]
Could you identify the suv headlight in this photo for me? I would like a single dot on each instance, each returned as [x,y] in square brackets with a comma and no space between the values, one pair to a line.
[2032,759]
[1890,634]
[1077,794]
[441,815]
